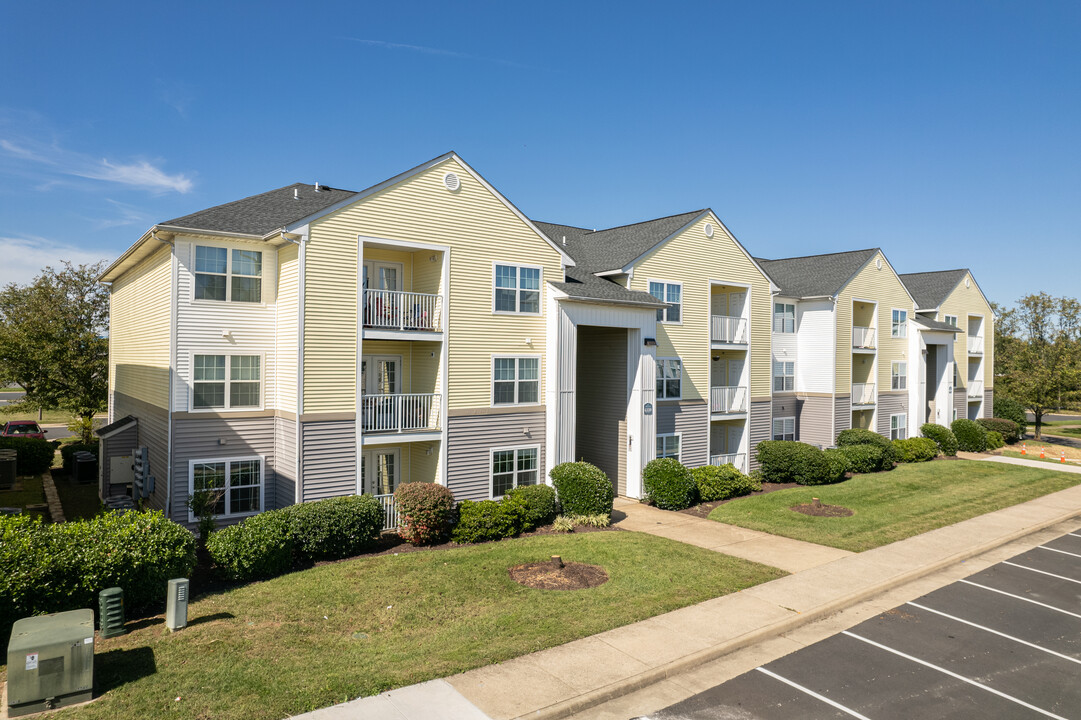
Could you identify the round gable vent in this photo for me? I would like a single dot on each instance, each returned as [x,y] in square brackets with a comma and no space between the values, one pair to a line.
[966,282]
[451,181]
[878,263]
[709,230]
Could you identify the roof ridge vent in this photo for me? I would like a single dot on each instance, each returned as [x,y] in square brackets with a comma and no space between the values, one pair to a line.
[317,187]
[296,193]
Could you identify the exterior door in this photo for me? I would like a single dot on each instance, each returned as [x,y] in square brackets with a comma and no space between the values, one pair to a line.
[381,301]
[380,471]
[718,303]
[735,439]
[379,383]
[736,301]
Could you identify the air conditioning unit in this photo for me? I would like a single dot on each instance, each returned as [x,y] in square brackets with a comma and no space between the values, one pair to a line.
[50,662]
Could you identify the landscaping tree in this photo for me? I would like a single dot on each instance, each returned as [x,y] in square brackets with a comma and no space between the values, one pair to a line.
[53,341]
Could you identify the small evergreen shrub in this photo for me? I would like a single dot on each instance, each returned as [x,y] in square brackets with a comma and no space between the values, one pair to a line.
[33,456]
[334,528]
[668,484]
[856,436]
[994,440]
[942,436]
[970,436]
[67,453]
[426,512]
[484,520]
[597,521]
[918,449]
[563,524]
[1006,428]
[785,461]
[838,463]
[539,504]
[260,547]
[583,489]
[864,459]
[1010,409]
[722,482]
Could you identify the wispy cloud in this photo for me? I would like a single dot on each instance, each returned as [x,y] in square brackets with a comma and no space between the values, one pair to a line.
[176,95]
[124,215]
[435,51]
[26,257]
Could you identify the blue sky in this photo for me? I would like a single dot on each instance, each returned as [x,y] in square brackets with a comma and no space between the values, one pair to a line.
[947,133]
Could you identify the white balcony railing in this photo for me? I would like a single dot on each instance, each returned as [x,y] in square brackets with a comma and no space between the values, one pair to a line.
[399,412]
[975,344]
[863,337]
[397,310]
[863,393]
[728,399]
[975,389]
[390,511]
[737,459]
[728,329]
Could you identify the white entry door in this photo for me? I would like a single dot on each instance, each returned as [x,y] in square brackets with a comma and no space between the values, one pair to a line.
[735,371]
[380,471]
[379,383]
[718,303]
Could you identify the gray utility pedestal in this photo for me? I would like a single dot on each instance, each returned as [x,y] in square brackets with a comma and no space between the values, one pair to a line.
[50,662]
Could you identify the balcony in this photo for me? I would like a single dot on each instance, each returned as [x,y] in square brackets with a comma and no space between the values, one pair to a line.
[863,394]
[400,413]
[975,345]
[739,460]
[402,311]
[863,338]
[728,329]
[975,389]
[726,400]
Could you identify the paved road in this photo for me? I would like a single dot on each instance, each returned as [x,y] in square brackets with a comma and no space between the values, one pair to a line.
[1002,643]
[6,398]
[1054,418]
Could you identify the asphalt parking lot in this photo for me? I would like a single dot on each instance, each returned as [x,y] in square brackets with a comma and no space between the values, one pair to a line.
[1002,643]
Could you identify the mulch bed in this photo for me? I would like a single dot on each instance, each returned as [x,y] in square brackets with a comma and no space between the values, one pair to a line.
[546,575]
[822,510]
[704,509]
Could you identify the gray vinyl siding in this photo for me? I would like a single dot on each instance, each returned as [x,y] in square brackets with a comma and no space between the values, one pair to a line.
[960,403]
[785,406]
[602,399]
[118,444]
[154,434]
[842,414]
[989,403]
[761,429]
[890,404]
[815,421]
[285,456]
[200,439]
[691,419]
[471,439]
[328,459]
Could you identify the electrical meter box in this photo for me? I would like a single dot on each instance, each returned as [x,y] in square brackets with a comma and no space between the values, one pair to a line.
[50,662]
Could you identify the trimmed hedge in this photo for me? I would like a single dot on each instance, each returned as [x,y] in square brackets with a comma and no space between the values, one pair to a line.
[583,489]
[668,484]
[919,449]
[67,452]
[838,462]
[720,482]
[970,436]
[1006,428]
[784,461]
[334,528]
[867,458]
[1010,409]
[32,455]
[538,502]
[425,512]
[54,567]
[942,436]
[994,440]
[856,436]
[483,520]
[260,547]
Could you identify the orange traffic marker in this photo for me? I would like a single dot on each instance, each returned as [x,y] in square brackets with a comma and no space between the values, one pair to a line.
[1063,458]
[1024,449]
[1041,451]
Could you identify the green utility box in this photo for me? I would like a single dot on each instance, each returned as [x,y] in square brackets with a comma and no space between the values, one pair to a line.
[111,612]
[50,662]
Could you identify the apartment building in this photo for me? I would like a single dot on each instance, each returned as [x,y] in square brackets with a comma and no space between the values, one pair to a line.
[311,342]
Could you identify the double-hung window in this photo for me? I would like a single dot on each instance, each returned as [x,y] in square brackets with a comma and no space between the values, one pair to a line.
[220,272]
[516,289]
[669,378]
[515,380]
[235,485]
[784,428]
[898,427]
[671,293]
[899,376]
[784,318]
[668,446]
[950,320]
[513,467]
[226,382]
[784,375]
[899,327]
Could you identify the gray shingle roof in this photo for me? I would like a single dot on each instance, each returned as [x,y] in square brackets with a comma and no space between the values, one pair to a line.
[584,284]
[930,289]
[815,275]
[614,248]
[933,324]
[263,213]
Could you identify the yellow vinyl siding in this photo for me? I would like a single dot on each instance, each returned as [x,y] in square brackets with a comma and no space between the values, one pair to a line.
[962,302]
[139,330]
[695,260]
[478,228]
[423,465]
[884,287]
[286,327]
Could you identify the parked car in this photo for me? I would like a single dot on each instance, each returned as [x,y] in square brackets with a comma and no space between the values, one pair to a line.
[22,429]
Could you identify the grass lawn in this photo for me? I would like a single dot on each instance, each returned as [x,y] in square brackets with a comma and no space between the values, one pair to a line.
[1050,457]
[30,494]
[48,417]
[79,500]
[335,632]
[891,506]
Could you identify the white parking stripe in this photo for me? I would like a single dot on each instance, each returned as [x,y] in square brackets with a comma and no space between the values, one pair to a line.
[1074,534]
[813,694]
[955,675]
[1042,572]
[1021,597]
[1043,547]
[996,632]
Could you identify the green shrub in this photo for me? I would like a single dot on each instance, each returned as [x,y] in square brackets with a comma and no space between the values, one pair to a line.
[918,449]
[425,512]
[856,436]
[334,528]
[67,452]
[539,503]
[563,524]
[583,489]
[32,455]
[942,436]
[994,440]
[597,521]
[1010,409]
[480,521]
[785,461]
[864,459]
[970,436]
[257,548]
[838,463]
[720,482]
[1006,428]
[668,484]
[50,568]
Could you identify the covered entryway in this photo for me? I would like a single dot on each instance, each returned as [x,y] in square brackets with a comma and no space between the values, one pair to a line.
[601,411]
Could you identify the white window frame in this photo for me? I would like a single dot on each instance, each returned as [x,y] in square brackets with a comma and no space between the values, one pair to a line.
[518,288]
[899,427]
[517,379]
[516,449]
[664,311]
[679,444]
[263,285]
[660,364]
[898,380]
[783,316]
[228,371]
[783,420]
[946,319]
[898,330]
[784,376]
[228,467]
